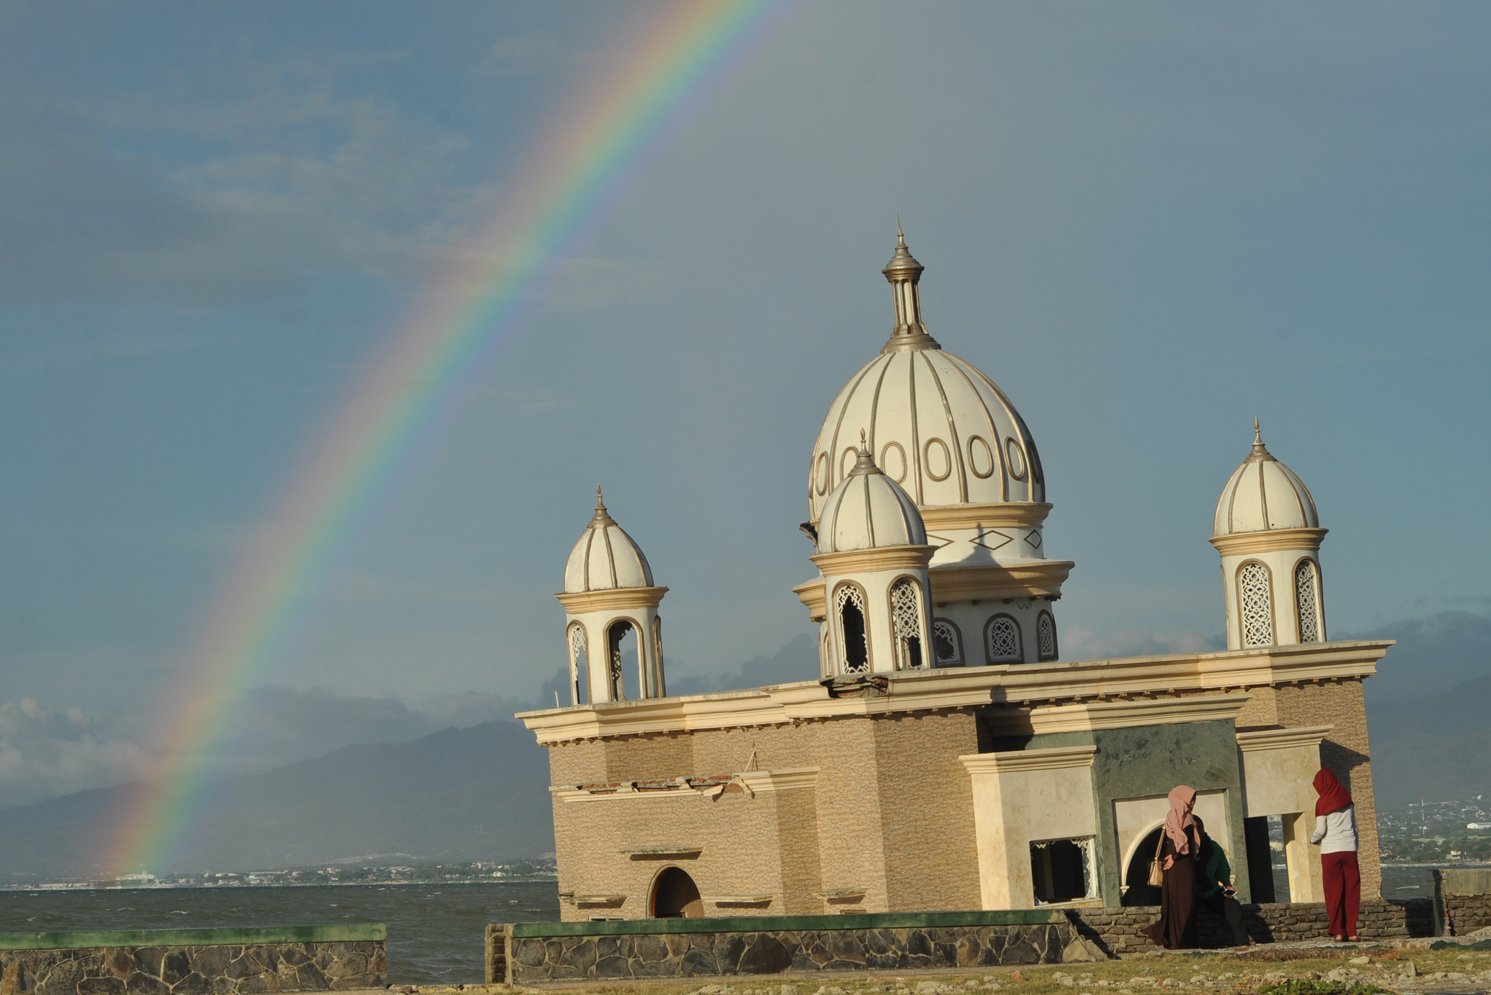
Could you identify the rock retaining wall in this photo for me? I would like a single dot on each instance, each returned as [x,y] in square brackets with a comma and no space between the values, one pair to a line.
[1462,900]
[194,961]
[532,953]
[1116,930]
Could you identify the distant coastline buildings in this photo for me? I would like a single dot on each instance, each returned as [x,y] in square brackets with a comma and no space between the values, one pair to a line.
[943,755]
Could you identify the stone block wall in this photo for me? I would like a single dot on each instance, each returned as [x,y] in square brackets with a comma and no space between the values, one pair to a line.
[194,961]
[1116,930]
[1462,900]
[535,953]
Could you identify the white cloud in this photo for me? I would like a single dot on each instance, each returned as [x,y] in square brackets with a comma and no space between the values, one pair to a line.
[46,752]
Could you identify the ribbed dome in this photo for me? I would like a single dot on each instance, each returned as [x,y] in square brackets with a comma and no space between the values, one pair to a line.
[1263,494]
[936,424]
[868,511]
[605,557]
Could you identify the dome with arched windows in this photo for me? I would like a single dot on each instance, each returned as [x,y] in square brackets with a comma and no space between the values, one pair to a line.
[868,510]
[605,557]
[1263,495]
[935,423]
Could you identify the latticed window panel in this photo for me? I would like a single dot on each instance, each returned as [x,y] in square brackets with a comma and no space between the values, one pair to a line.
[946,647]
[577,665]
[906,618]
[1003,639]
[1306,602]
[1045,636]
[849,595]
[1256,604]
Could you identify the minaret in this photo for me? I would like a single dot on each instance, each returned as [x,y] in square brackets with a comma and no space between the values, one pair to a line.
[608,591]
[1268,533]
[904,274]
[873,556]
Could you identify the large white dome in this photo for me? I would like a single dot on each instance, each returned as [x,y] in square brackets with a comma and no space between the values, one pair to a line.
[605,557]
[936,424]
[1262,495]
[868,511]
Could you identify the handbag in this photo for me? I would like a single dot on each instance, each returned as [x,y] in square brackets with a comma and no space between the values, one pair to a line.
[1156,867]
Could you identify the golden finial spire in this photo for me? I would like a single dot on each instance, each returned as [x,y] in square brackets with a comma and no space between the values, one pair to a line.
[1260,451]
[601,514]
[903,273]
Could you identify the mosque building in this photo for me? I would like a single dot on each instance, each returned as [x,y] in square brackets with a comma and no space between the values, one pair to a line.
[945,756]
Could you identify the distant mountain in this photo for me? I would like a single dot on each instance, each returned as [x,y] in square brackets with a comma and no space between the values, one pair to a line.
[1433,747]
[474,793]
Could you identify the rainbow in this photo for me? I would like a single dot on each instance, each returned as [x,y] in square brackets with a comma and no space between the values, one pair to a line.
[597,141]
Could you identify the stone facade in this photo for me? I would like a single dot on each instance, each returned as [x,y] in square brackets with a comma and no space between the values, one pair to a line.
[1462,900]
[193,962]
[912,791]
[536,953]
[1116,930]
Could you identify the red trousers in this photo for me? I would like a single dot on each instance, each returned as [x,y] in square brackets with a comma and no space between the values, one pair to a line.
[1343,890]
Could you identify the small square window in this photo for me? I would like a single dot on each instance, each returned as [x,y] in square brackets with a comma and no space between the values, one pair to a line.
[1061,870]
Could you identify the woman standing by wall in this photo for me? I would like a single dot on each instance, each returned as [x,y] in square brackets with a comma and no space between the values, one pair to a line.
[1180,844]
[1335,831]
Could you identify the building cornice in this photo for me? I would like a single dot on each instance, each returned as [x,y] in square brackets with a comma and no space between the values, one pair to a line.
[1049,759]
[1012,514]
[867,560]
[1162,681]
[612,598]
[1254,740]
[1096,716]
[1268,540]
[1015,581]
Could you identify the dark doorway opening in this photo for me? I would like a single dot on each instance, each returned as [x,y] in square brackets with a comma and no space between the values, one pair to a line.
[675,896]
[1137,889]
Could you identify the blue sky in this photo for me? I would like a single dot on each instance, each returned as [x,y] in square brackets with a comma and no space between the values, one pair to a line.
[1148,222]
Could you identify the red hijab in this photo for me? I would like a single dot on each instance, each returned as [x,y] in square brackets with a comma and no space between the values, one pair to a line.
[1179,819]
[1333,797]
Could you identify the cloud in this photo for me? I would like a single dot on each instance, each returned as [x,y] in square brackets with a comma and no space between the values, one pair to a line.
[46,752]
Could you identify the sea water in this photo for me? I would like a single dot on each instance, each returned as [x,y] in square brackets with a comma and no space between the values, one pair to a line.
[436,932]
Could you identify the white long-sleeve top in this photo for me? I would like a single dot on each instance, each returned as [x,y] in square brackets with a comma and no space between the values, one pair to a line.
[1336,831]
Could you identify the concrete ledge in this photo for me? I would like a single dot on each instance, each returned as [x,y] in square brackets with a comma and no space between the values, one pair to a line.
[87,940]
[770,924]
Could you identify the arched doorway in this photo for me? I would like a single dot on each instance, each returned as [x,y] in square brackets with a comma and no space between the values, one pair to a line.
[675,896]
[1137,889]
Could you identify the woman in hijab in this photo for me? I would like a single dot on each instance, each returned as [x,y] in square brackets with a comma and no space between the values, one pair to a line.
[1335,831]
[1180,844]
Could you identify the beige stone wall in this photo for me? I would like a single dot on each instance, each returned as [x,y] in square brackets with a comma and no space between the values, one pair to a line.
[1345,752]
[931,853]
[736,834]
[850,829]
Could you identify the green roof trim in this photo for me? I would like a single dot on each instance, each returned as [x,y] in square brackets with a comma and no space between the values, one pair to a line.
[775,924]
[81,940]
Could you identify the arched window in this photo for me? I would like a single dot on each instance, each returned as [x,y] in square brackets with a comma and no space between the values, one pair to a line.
[1002,640]
[621,635]
[579,683]
[849,616]
[906,622]
[947,644]
[675,896]
[1255,603]
[1045,636]
[1307,602]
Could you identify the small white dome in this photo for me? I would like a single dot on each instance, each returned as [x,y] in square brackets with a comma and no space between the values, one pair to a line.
[868,510]
[936,424]
[1263,494]
[605,557]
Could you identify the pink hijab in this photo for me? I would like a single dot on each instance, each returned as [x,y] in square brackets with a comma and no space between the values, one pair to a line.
[1178,819]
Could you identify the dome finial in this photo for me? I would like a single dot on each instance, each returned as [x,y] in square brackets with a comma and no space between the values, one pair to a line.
[601,514]
[903,273]
[1260,451]
[866,461]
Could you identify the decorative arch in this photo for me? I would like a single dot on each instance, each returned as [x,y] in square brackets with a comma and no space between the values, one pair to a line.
[660,688]
[1307,601]
[1002,642]
[675,896]
[1136,888]
[851,628]
[616,631]
[1045,636]
[906,601]
[579,664]
[1255,604]
[947,644]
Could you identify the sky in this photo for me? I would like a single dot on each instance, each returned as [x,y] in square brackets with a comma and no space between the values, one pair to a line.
[1149,222]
